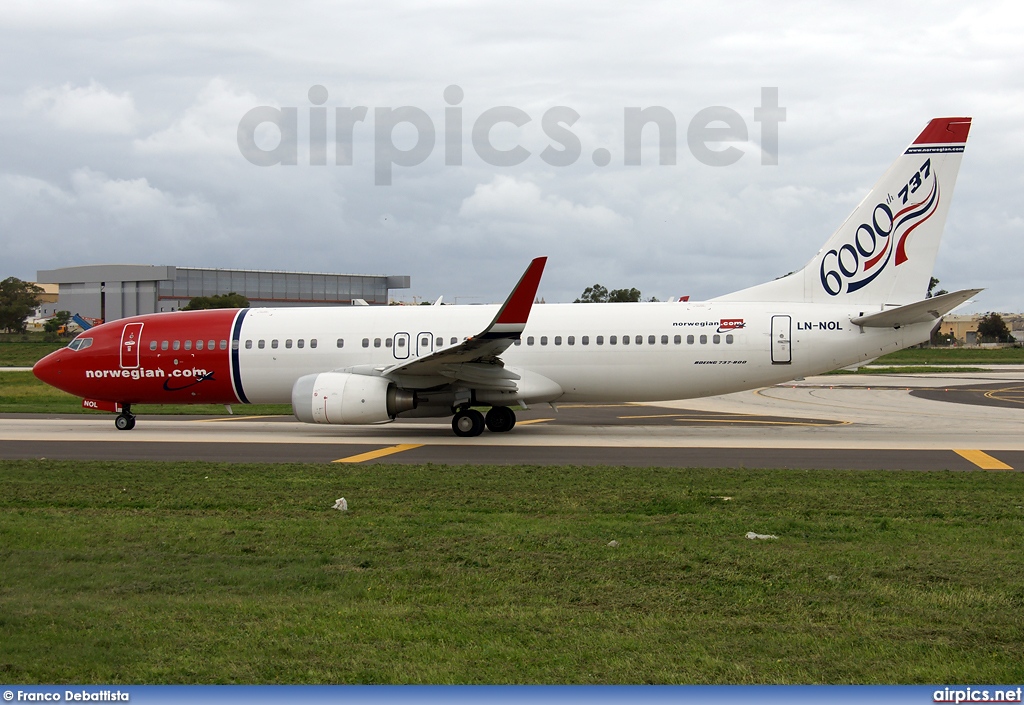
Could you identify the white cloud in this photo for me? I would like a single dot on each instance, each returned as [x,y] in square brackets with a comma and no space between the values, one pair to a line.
[132,198]
[511,199]
[92,108]
[208,126]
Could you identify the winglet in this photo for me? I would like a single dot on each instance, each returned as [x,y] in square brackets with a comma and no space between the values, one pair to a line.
[512,317]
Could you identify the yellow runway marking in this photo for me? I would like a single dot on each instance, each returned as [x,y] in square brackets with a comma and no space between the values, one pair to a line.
[380,453]
[530,421]
[982,460]
[238,418]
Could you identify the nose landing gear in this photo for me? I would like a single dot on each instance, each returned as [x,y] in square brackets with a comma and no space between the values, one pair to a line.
[125,421]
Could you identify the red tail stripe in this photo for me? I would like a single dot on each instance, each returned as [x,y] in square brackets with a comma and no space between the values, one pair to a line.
[951,130]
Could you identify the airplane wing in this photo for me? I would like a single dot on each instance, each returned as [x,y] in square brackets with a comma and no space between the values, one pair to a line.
[476,360]
[919,312]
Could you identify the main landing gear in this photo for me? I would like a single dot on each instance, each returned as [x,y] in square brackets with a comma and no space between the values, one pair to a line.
[470,422]
[125,421]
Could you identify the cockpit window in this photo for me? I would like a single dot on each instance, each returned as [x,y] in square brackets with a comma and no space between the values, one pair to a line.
[80,343]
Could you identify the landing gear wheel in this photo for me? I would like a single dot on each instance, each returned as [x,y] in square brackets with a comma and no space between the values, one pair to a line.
[124,422]
[467,423]
[500,419]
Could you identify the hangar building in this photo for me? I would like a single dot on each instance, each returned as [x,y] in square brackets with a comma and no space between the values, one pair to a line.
[112,291]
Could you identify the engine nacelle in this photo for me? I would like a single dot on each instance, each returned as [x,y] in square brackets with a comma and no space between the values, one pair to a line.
[345,398]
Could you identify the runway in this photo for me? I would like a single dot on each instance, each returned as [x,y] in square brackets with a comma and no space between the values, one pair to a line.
[910,422]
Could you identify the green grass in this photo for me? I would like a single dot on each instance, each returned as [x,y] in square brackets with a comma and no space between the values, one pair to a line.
[191,572]
[26,354]
[919,369]
[21,392]
[954,356]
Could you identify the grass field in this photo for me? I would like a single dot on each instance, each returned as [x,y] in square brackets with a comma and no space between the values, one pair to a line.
[912,370]
[954,356]
[26,354]
[188,572]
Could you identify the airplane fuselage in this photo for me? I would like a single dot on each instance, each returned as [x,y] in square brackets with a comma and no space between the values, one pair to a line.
[608,353]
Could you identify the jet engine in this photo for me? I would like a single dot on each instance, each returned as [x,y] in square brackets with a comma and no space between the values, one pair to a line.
[345,398]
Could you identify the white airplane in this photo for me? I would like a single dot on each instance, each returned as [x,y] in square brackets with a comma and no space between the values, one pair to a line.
[862,295]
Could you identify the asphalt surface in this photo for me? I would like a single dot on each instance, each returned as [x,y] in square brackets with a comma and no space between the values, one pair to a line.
[921,422]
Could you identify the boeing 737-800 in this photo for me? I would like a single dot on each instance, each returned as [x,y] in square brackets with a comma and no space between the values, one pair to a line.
[861,296]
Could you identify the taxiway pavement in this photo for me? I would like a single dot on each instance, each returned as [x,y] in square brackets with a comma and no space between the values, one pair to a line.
[915,422]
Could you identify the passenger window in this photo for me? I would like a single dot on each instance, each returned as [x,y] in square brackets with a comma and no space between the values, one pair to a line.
[650,339]
[188,344]
[519,341]
[366,342]
[728,339]
[585,340]
[312,343]
[678,339]
[164,345]
[454,340]
[211,345]
[558,340]
[387,342]
[376,342]
[716,339]
[261,344]
[529,340]
[234,344]
[224,344]
[571,340]
[401,342]
[664,340]
[273,344]
[440,341]
[199,345]
[600,340]
[176,345]
[612,340]
[288,343]
[152,345]
[341,342]
[300,343]
[543,340]
[703,340]
[625,340]
[248,345]
[689,340]
[639,340]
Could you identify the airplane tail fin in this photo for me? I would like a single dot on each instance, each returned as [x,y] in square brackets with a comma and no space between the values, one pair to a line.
[885,251]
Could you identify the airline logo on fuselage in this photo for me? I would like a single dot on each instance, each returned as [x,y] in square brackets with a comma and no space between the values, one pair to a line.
[723,325]
[856,264]
[142,373]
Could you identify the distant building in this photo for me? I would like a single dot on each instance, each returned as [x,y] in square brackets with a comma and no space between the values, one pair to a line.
[964,328]
[112,291]
[48,298]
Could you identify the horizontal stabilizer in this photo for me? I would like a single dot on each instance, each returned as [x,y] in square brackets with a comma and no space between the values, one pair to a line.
[924,311]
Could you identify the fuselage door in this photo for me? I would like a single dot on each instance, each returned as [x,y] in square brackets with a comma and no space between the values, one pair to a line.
[424,344]
[131,340]
[401,347]
[781,340]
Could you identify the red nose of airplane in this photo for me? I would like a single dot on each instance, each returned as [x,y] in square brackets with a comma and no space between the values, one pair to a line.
[48,369]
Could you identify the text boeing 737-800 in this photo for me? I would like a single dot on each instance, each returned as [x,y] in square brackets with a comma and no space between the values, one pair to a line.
[861,296]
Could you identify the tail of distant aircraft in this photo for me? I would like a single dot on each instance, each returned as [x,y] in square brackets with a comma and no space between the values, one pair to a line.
[885,251]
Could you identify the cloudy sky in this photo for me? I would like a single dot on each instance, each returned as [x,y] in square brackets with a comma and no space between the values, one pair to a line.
[120,125]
